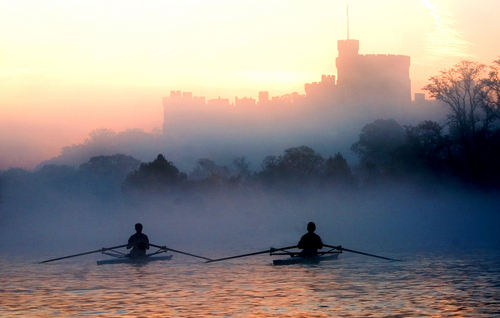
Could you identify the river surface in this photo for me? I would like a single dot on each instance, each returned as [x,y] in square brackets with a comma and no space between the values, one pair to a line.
[444,283]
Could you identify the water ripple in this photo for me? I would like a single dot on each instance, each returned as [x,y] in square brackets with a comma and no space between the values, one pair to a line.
[426,285]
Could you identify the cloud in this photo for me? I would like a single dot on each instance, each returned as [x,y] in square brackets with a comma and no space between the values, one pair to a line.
[446,40]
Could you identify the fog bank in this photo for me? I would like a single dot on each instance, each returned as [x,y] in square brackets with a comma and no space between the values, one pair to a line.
[394,217]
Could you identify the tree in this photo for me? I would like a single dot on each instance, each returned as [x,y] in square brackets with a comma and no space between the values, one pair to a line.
[425,149]
[105,174]
[270,169]
[240,170]
[100,141]
[377,143]
[115,167]
[492,84]
[295,165]
[101,137]
[301,162]
[135,142]
[157,176]
[208,171]
[470,97]
[338,171]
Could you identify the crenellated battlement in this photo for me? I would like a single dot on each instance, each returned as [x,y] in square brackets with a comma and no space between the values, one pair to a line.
[371,78]
[362,79]
[385,59]
[386,56]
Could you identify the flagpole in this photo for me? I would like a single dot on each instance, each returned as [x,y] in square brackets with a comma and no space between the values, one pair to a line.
[348,21]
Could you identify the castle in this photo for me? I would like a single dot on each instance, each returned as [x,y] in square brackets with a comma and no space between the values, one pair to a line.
[370,79]
[362,82]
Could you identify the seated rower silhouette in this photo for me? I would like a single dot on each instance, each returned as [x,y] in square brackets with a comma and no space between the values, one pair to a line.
[138,242]
[310,242]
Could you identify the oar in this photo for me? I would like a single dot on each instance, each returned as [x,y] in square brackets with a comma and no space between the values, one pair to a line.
[180,252]
[362,253]
[250,254]
[81,254]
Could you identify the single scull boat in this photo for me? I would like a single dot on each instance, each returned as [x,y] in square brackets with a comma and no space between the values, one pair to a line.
[137,260]
[297,259]
[121,257]
[293,257]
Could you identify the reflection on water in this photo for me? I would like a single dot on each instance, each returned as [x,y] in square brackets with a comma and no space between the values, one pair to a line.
[425,285]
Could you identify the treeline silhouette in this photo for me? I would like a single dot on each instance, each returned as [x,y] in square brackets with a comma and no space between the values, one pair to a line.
[387,151]
[465,149]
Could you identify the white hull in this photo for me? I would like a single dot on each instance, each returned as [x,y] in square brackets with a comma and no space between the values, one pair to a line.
[128,260]
[305,260]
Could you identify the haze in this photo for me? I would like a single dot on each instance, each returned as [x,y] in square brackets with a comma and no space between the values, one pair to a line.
[79,80]
[69,68]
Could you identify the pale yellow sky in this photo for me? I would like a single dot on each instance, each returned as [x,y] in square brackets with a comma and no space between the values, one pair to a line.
[69,67]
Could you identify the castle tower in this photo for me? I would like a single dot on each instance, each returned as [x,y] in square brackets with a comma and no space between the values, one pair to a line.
[347,63]
[372,79]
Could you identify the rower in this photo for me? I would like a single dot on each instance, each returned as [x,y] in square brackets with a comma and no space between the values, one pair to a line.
[138,242]
[310,242]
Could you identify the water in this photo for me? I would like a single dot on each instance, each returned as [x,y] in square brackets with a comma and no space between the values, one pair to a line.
[426,284]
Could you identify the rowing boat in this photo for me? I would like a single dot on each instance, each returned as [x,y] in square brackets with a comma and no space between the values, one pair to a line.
[122,258]
[137,260]
[296,259]
[293,256]
[119,257]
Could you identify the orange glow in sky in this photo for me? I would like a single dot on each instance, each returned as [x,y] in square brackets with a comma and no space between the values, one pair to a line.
[69,67]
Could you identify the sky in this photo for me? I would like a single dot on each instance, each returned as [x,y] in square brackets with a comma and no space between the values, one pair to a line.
[69,67]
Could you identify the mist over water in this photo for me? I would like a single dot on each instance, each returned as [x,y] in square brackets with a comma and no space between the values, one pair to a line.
[71,217]
[63,210]
[405,207]
[392,217]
